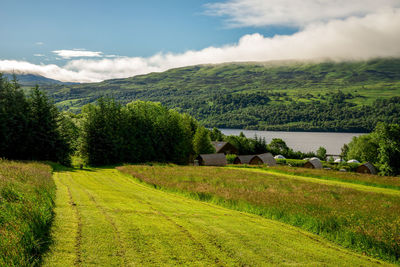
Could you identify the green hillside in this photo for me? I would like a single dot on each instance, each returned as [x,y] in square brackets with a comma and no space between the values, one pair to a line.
[328,96]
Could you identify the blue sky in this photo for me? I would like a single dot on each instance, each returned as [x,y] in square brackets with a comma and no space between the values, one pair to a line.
[124,28]
[95,40]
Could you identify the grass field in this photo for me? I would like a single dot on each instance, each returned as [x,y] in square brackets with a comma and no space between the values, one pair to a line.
[361,217]
[389,182]
[27,192]
[107,218]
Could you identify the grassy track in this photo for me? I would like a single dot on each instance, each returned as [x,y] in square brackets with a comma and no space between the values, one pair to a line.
[348,184]
[106,218]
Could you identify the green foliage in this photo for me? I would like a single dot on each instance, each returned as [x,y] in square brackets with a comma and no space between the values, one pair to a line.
[295,96]
[363,148]
[387,138]
[230,158]
[202,142]
[27,192]
[321,153]
[291,162]
[381,147]
[139,132]
[30,127]
[278,146]
[216,135]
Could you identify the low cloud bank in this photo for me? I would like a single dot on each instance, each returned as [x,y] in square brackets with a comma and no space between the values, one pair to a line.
[354,38]
[244,13]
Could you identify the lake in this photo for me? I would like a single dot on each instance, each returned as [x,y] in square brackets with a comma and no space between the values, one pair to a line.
[302,141]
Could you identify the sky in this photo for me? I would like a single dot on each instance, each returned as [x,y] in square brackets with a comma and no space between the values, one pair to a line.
[90,41]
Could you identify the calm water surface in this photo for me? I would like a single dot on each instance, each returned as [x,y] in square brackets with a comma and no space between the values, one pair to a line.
[302,141]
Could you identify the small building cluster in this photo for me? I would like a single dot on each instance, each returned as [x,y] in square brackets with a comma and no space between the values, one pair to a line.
[224,148]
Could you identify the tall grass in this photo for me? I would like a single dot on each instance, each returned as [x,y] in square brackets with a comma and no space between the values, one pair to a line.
[349,177]
[27,191]
[364,221]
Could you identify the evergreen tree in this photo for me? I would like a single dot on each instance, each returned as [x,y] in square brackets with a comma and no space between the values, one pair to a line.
[45,141]
[13,120]
[321,153]
[202,142]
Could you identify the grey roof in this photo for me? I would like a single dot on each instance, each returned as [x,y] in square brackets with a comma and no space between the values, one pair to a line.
[245,159]
[217,159]
[268,159]
[371,167]
[218,145]
[316,163]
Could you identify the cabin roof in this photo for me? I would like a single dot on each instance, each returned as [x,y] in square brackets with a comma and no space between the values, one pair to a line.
[316,163]
[245,159]
[268,159]
[221,145]
[216,159]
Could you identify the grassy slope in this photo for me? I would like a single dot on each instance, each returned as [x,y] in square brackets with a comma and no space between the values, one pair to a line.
[27,192]
[104,217]
[365,220]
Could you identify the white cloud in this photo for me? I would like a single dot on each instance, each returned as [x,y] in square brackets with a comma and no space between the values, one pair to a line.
[257,13]
[354,38]
[39,43]
[38,55]
[67,54]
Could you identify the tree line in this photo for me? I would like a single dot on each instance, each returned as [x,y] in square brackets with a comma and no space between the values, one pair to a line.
[107,132]
[32,128]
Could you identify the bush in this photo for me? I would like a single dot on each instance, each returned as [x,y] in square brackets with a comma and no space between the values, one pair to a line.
[291,162]
[27,191]
[230,158]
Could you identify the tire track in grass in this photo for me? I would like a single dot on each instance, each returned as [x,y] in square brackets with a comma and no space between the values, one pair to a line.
[110,220]
[121,252]
[186,232]
[179,227]
[78,238]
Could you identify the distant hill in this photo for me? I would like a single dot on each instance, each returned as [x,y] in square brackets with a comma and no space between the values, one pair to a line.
[28,80]
[301,96]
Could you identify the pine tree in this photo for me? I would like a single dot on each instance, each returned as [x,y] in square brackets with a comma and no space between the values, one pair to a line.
[202,142]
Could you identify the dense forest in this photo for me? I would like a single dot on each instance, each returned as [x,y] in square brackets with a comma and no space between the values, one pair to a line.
[295,96]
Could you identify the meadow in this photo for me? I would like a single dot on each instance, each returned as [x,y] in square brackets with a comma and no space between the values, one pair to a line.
[27,192]
[363,218]
[108,218]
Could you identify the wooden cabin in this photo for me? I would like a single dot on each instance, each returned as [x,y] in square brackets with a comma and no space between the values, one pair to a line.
[217,159]
[367,168]
[248,159]
[313,163]
[224,147]
[268,159]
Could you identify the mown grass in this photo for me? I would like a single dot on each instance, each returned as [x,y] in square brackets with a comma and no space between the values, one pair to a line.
[27,191]
[364,221]
[107,218]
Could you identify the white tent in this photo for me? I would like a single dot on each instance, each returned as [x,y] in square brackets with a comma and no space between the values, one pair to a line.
[338,160]
[279,157]
[353,161]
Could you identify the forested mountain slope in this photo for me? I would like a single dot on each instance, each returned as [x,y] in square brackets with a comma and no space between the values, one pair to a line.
[290,95]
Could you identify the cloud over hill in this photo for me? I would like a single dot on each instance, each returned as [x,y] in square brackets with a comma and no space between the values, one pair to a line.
[368,30]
